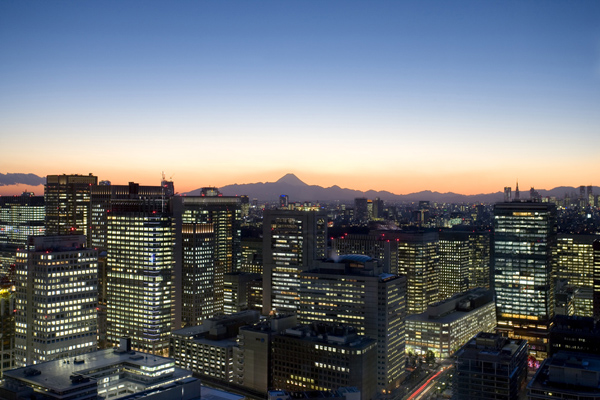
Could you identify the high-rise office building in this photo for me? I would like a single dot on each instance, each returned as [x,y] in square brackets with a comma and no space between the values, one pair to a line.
[378,209]
[361,212]
[208,246]
[7,326]
[140,290]
[480,259]
[252,357]
[464,262]
[574,265]
[284,201]
[507,194]
[322,357]
[106,198]
[453,266]
[238,285]
[414,254]
[20,217]
[68,203]
[292,241]
[252,255]
[418,259]
[355,291]
[524,240]
[596,280]
[574,259]
[374,245]
[56,299]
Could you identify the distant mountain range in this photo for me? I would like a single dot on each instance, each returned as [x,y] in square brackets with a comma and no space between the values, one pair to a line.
[297,190]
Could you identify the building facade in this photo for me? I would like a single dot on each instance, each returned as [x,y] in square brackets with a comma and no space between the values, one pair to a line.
[252,357]
[56,299]
[67,200]
[490,367]
[292,241]
[208,246]
[106,198]
[207,349]
[446,326]
[524,241]
[20,217]
[324,357]
[140,290]
[354,291]
[566,375]
[7,327]
[103,374]
[418,259]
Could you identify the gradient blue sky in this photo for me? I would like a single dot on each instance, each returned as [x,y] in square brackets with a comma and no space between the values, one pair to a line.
[386,95]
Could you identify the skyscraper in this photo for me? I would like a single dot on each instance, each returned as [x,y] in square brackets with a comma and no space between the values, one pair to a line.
[524,239]
[208,246]
[418,259]
[574,264]
[324,357]
[106,198]
[507,194]
[140,290]
[355,291]
[375,245]
[20,217]
[56,299]
[453,266]
[292,241]
[361,212]
[110,200]
[67,204]
[596,280]
[464,261]
[7,326]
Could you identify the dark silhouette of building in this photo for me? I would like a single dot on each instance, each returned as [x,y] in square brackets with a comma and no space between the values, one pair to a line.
[490,367]
[576,334]
[567,375]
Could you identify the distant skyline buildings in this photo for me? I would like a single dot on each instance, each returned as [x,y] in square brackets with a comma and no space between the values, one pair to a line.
[376,201]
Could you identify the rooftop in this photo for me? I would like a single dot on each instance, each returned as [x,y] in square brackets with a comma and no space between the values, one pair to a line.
[57,375]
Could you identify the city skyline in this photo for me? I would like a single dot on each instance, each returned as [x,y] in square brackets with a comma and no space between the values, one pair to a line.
[389,96]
